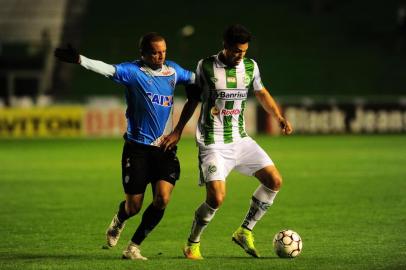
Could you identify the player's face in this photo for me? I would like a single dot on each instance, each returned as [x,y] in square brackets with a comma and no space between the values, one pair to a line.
[235,53]
[156,58]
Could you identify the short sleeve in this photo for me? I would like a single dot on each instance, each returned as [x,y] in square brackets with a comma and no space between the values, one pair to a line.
[257,82]
[124,73]
[199,74]
[183,76]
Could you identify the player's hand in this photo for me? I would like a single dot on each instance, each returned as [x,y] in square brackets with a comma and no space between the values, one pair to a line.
[285,126]
[170,141]
[68,54]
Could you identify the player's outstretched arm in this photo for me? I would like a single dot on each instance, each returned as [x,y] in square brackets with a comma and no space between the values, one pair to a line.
[270,106]
[71,55]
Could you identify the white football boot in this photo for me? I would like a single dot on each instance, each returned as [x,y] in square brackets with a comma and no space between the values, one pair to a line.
[113,232]
[133,252]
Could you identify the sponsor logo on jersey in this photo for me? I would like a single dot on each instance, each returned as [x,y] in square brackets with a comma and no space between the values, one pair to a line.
[165,101]
[230,94]
[230,112]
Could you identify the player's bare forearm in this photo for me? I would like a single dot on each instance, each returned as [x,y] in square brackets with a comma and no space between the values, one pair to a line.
[270,106]
[187,112]
[268,103]
[172,139]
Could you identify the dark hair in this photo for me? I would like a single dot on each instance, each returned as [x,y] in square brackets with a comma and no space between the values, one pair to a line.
[236,33]
[145,41]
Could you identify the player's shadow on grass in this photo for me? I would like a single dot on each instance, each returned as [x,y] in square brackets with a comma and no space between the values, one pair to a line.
[67,257]
[240,258]
[161,256]
[79,257]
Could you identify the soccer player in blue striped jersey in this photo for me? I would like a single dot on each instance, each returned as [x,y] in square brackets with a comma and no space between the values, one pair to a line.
[224,145]
[147,157]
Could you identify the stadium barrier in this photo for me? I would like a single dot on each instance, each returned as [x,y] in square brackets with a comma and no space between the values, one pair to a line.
[47,122]
[109,120]
[98,119]
[353,117]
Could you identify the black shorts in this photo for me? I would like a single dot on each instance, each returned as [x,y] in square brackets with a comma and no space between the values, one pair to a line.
[143,164]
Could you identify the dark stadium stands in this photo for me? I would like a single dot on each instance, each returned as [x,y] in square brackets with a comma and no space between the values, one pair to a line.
[304,47]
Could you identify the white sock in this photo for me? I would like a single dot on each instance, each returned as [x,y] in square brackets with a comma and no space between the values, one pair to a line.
[261,200]
[203,215]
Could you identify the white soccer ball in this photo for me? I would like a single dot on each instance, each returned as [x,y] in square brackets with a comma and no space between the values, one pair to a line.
[287,244]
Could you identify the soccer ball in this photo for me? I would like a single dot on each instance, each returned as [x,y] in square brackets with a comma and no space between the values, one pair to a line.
[287,244]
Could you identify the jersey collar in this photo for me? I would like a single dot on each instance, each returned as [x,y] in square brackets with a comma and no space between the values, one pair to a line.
[164,71]
[220,64]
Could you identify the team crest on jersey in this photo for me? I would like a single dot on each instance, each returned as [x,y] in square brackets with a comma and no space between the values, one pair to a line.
[165,101]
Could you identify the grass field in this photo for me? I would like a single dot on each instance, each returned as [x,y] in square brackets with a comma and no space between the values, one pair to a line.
[345,195]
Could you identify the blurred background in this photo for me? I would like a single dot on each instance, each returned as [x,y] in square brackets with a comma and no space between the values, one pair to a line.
[334,66]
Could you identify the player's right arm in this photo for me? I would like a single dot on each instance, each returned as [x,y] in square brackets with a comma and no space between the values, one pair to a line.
[173,138]
[193,93]
[71,55]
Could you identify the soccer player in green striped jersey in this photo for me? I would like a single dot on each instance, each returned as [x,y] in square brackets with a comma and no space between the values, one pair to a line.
[223,143]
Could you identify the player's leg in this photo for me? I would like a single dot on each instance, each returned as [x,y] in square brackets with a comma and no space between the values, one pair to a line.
[214,165]
[150,218]
[164,170]
[215,195]
[263,196]
[154,212]
[134,181]
[127,208]
[256,162]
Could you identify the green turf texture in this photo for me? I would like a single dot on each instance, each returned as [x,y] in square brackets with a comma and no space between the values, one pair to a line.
[345,196]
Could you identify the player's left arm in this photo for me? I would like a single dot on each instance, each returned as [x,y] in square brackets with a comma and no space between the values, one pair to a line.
[270,106]
[71,55]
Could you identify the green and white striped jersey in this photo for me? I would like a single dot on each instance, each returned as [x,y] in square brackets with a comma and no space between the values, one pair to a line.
[224,97]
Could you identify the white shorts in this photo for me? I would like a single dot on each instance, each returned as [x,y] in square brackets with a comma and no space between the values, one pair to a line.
[217,161]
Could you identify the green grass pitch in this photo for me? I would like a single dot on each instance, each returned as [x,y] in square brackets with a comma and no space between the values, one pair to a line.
[345,196]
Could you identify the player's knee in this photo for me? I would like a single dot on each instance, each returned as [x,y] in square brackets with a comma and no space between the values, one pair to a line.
[216,200]
[133,208]
[161,201]
[270,178]
[275,182]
